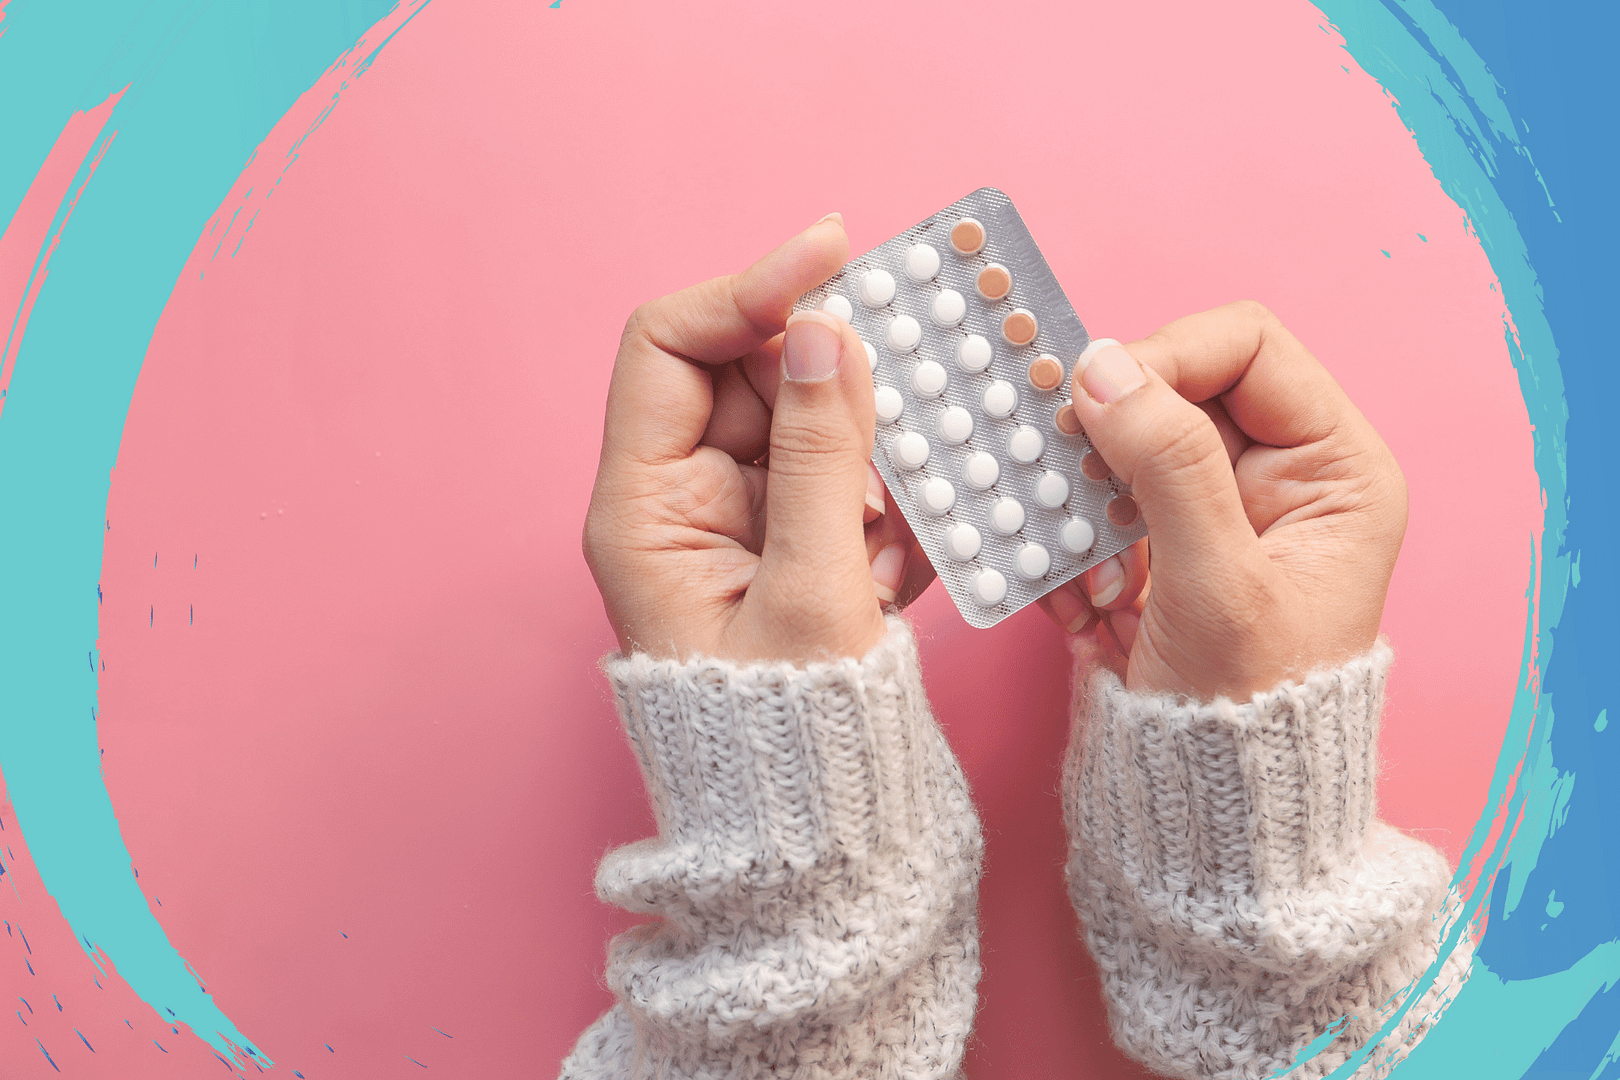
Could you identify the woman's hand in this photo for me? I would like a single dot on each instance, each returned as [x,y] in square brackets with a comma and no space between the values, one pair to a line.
[1274,510]
[727,517]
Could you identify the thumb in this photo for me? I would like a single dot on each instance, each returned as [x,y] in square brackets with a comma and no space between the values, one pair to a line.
[813,560]
[1171,454]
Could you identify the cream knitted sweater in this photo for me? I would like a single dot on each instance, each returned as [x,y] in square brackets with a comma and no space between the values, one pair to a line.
[815,877]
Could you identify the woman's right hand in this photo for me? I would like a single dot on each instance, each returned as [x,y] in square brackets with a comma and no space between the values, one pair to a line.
[1274,510]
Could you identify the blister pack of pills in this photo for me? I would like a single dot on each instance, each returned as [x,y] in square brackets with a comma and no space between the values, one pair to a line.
[972,344]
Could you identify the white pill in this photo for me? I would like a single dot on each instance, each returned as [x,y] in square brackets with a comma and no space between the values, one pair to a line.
[974,353]
[910,451]
[1007,516]
[948,308]
[981,470]
[839,306]
[871,354]
[889,404]
[1025,445]
[1000,399]
[1077,535]
[1052,489]
[876,288]
[928,380]
[955,425]
[904,334]
[962,542]
[988,587]
[1031,562]
[938,496]
[922,263]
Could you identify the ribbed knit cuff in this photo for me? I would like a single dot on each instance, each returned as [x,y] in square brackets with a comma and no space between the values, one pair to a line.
[765,765]
[1183,798]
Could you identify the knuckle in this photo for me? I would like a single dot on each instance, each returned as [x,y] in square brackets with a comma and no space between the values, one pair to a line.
[1187,443]
[805,446]
[1253,311]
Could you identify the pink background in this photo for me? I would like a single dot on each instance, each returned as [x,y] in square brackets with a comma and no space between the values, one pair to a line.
[375,431]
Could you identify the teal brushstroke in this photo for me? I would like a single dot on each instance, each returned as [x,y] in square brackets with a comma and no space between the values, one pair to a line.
[205,83]
[1447,98]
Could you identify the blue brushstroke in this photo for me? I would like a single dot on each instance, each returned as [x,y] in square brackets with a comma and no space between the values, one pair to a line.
[203,84]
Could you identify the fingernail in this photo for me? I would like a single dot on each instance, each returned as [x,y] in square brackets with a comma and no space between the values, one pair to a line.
[811,347]
[875,501]
[1107,372]
[1070,610]
[1106,581]
[834,216]
[887,571]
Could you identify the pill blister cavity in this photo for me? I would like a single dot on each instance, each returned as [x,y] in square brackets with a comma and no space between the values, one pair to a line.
[922,262]
[955,425]
[994,282]
[1077,536]
[1067,420]
[1000,399]
[1052,489]
[928,380]
[967,236]
[981,470]
[1020,327]
[988,587]
[876,288]
[1122,511]
[962,542]
[1094,466]
[889,404]
[948,308]
[974,353]
[840,306]
[1007,516]
[871,354]
[904,334]
[1025,445]
[938,496]
[1031,562]
[1046,372]
[910,451]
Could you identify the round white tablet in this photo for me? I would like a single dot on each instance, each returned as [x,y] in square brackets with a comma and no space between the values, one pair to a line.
[938,496]
[981,470]
[904,334]
[962,542]
[876,288]
[1007,516]
[1031,562]
[1077,535]
[974,353]
[948,308]
[1000,399]
[928,380]
[922,262]
[871,354]
[839,306]
[1025,445]
[910,451]
[889,404]
[988,587]
[955,425]
[1052,489]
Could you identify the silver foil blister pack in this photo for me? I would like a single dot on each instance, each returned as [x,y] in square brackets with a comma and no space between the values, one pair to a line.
[972,343]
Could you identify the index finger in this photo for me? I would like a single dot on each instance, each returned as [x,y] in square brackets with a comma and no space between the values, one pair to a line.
[659,398]
[1274,390]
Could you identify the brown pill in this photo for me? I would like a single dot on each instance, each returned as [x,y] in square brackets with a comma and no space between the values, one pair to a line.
[1067,421]
[1094,466]
[967,237]
[995,282]
[1045,372]
[1019,328]
[1122,511]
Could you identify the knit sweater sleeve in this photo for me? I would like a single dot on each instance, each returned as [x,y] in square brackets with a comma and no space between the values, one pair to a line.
[1235,887]
[814,880]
